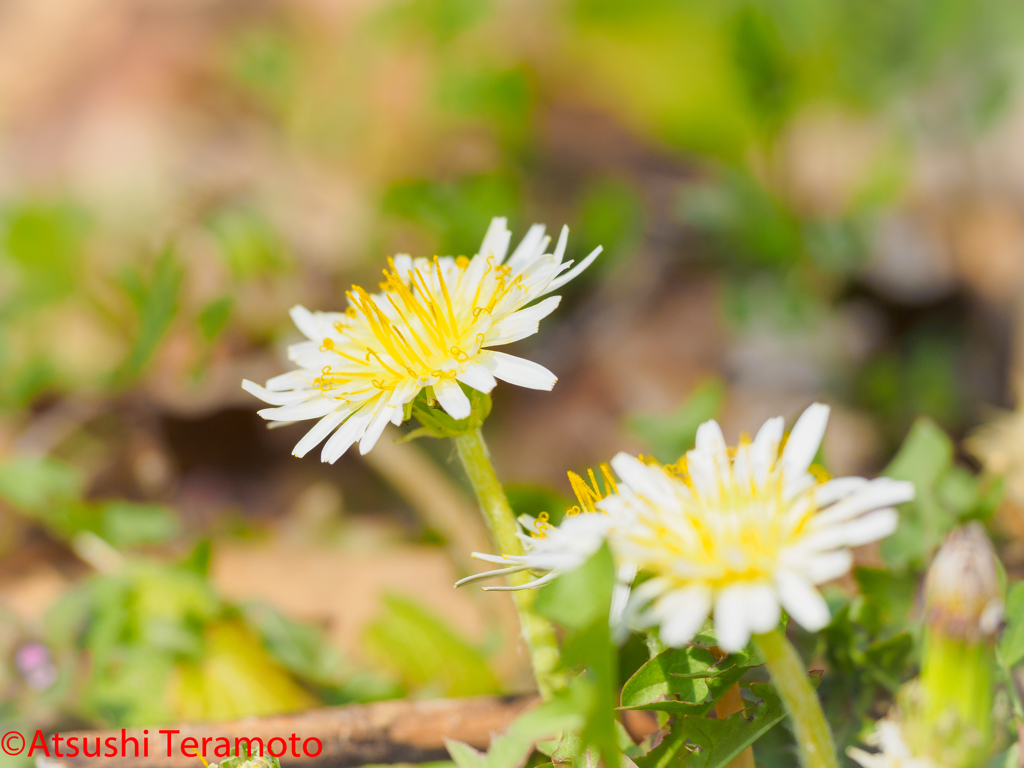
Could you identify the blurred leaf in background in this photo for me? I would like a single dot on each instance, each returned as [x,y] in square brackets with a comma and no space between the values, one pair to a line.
[455,213]
[669,437]
[154,296]
[947,495]
[425,652]
[49,491]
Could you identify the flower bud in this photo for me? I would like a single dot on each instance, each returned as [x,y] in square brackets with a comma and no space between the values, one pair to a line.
[952,718]
[963,595]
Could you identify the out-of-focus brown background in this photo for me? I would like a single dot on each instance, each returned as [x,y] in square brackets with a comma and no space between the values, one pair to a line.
[799,199]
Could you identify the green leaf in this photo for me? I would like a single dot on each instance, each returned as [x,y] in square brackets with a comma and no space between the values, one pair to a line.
[669,437]
[425,652]
[888,598]
[44,242]
[678,674]
[465,756]
[34,484]
[156,304]
[717,742]
[1011,645]
[125,524]
[456,213]
[581,597]
[925,457]
[214,317]
[686,681]
[887,660]
[248,243]
[198,560]
[562,714]
[301,648]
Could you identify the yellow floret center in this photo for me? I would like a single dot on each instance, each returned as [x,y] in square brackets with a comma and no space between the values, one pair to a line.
[587,496]
[433,332]
[737,537]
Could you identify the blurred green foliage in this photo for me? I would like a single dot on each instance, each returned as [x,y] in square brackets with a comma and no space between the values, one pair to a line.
[49,491]
[947,495]
[669,437]
[425,653]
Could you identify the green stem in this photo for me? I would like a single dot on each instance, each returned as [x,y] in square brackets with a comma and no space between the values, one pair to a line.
[537,631]
[817,750]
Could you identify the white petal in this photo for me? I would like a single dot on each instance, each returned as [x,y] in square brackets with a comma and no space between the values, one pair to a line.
[867,759]
[682,613]
[853,533]
[710,439]
[451,397]
[703,474]
[765,449]
[837,488]
[292,380]
[535,584]
[826,566]
[516,370]
[521,324]
[804,441]
[732,628]
[880,492]
[563,238]
[320,430]
[349,432]
[558,282]
[406,390]
[762,608]
[308,409]
[277,398]
[375,428]
[403,266]
[476,376]
[497,239]
[624,575]
[802,601]
[306,323]
[644,480]
[529,249]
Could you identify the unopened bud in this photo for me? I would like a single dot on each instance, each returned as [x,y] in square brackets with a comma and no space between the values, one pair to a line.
[952,717]
[963,596]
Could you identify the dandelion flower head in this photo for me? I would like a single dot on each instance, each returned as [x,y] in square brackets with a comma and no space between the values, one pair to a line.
[739,533]
[432,326]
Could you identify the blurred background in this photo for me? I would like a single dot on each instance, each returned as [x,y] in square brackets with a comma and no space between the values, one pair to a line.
[798,199]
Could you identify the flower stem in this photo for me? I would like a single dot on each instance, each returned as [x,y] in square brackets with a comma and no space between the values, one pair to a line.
[537,631]
[817,750]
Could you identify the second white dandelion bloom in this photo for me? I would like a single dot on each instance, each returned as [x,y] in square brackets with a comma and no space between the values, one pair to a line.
[433,325]
[737,534]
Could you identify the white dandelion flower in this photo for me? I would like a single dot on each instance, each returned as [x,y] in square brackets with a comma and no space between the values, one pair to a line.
[893,750]
[434,325]
[737,534]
